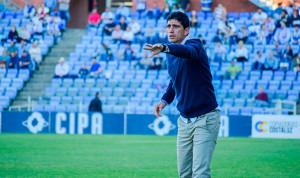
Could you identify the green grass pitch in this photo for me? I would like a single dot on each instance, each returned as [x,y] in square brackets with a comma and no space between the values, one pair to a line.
[26,155]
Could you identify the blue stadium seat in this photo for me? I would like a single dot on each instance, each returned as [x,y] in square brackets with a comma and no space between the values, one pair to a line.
[147,83]
[250,84]
[17,83]
[278,75]
[5,82]
[221,93]
[146,101]
[274,84]
[107,91]
[66,100]
[239,102]
[123,101]
[280,94]
[112,100]
[72,108]
[257,111]
[270,94]
[246,111]
[77,99]
[226,84]
[11,92]
[24,74]
[232,93]
[49,92]
[238,84]
[216,84]
[233,111]
[140,110]
[267,75]
[262,83]
[135,101]
[286,85]
[118,92]
[38,108]
[100,83]
[84,92]
[61,91]
[55,100]
[254,75]
[152,93]
[72,91]
[56,82]
[290,76]
[49,108]
[87,100]
[67,82]
[228,102]
[78,82]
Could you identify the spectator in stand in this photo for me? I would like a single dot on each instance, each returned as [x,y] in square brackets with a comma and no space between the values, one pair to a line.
[106,15]
[162,36]
[4,60]
[141,7]
[283,34]
[254,27]
[108,28]
[270,25]
[277,52]
[284,18]
[296,35]
[36,55]
[156,63]
[206,48]
[144,63]
[122,11]
[1,49]
[258,61]
[229,36]
[241,53]
[13,34]
[96,104]
[271,63]
[219,36]
[220,12]
[51,4]
[194,19]
[134,26]
[83,72]
[295,19]
[42,11]
[232,71]
[24,61]
[35,19]
[94,18]
[287,58]
[219,52]
[242,34]
[262,35]
[296,63]
[12,49]
[52,28]
[222,24]
[260,16]
[38,27]
[166,11]
[278,10]
[47,18]
[62,69]
[261,100]
[63,8]
[29,10]
[30,28]
[14,61]
[95,68]
[150,36]
[22,48]
[25,34]
[123,24]
[128,36]
[117,34]
[128,53]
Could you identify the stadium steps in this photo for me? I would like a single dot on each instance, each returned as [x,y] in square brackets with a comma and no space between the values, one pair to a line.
[267,5]
[42,78]
[10,5]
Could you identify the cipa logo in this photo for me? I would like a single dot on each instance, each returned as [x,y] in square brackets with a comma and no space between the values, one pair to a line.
[259,126]
[35,122]
[165,129]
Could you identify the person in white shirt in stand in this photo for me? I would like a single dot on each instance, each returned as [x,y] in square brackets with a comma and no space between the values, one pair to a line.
[141,7]
[241,53]
[38,27]
[128,36]
[260,16]
[122,11]
[42,11]
[262,35]
[61,69]
[106,15]
[219,52]
[25,34]
[254,27]
[117,34]
[35,54]
[134,26]
[283,34]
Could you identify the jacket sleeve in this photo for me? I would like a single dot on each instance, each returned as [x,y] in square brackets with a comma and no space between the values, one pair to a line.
[193,51]
[170,93]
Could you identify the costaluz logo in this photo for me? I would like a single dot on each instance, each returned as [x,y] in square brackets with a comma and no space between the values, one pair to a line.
[259,126]
[165,129]
[35,122]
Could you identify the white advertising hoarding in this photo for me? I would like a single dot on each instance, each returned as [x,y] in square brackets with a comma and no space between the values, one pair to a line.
[276,126]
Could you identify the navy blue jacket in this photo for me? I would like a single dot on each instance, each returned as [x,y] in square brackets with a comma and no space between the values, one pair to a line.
[191,80]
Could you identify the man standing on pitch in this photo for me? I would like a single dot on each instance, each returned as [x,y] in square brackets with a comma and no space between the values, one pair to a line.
[191,84]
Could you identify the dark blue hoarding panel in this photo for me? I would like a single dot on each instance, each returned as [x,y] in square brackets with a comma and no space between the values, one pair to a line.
[25,122]
[113,123]
[240,126]
[150,125]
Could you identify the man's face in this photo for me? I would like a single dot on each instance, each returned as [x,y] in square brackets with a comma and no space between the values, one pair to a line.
[176,32]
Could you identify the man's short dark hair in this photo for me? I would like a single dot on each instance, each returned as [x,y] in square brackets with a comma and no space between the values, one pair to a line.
[181,17]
